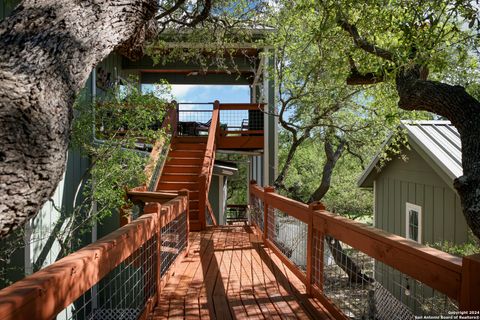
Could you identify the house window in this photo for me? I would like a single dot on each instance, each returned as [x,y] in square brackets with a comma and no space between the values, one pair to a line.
[413,222]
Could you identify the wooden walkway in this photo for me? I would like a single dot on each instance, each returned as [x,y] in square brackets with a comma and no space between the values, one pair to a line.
[228,274]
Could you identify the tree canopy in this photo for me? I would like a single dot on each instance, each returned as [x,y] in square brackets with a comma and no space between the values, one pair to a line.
[340,63]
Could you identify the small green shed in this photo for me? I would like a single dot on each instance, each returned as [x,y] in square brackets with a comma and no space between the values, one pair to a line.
[414,194]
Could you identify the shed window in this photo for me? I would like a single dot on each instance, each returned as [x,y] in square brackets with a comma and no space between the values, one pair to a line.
[413,222]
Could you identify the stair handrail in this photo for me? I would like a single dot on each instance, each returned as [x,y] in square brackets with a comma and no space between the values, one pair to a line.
[154,167]
[208,162]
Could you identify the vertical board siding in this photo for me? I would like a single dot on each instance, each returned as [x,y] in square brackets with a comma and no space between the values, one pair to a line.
[397,194]
[417,183]
[429,216]
[461,233]
[449,217]
[438,209]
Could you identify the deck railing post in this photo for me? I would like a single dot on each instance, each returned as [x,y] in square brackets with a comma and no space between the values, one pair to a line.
[157,208]
[312,207]
[202,201]
[470,287]
[175,122]
[250,201]
[184,192]
[267,189]
[314,249]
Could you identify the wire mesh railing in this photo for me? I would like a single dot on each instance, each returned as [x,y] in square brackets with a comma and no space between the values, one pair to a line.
[115,277]
[289,235]
[194,119]
[173,241]
[364,288]
[359,272]
[241,122]
[123,292]
[256,211]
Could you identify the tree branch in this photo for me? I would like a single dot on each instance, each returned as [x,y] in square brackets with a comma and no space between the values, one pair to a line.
[362,43]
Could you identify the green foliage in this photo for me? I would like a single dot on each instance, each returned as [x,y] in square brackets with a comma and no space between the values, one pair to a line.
[215,41]
[237,184]
[472,246]
[110,132]
[344,197]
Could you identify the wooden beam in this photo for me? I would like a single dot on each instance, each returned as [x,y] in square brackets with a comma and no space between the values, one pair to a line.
[242,106]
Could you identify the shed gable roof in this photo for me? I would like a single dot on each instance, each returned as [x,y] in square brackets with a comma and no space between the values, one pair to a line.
[438,139]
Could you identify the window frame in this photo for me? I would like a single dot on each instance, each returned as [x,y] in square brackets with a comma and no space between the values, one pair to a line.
[413,207]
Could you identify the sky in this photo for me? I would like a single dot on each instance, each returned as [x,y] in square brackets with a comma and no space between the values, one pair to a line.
[207,93]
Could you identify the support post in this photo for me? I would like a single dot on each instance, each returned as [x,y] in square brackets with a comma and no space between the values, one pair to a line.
[267,189]
[202,201]
[469,293]
[249,200]
[310,245]
[185,192]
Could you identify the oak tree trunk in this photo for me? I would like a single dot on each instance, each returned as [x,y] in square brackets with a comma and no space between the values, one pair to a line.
[48,49]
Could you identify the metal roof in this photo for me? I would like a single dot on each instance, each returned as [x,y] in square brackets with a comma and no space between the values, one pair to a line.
[438,139]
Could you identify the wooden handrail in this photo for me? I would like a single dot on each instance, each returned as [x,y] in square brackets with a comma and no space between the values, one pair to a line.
[439,270]
[169,122]
[207,166]
[210,212]
[45,293]
[241,106]
[150,196]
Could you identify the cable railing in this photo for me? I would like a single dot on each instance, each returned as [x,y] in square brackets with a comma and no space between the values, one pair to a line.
[360,272]
[116,277]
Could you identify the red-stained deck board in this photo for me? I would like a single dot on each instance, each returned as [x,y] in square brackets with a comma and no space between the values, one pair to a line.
[229,274]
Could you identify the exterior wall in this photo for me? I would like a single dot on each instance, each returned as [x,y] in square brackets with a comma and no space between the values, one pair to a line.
[270,151]
[256,169]
[416,182]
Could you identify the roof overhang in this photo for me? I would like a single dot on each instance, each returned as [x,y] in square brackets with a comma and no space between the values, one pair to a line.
[443,154]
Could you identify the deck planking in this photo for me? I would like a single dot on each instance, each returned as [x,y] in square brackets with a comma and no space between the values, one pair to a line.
[229,274]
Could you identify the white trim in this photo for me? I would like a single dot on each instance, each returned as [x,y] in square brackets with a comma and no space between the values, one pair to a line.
[266,133]
[413,207]
[374,204]
[221,211]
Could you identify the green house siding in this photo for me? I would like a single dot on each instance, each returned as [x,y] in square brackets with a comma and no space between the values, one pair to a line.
[6,7]
[416,182]
[214,196]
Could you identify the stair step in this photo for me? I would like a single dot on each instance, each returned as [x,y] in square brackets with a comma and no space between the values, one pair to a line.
[189,140]
[193,205]
[195,225]
[182,169]
[185,160]
[186,154]
[179,177]
[162,184]
[188,146]
[193,195]
[193,214]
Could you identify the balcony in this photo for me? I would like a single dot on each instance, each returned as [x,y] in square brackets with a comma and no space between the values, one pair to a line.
[240,125]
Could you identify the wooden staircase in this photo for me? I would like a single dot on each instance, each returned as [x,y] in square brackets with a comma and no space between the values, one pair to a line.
[182,170]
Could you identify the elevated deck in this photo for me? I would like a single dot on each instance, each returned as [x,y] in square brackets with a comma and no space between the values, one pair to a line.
[229,274]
